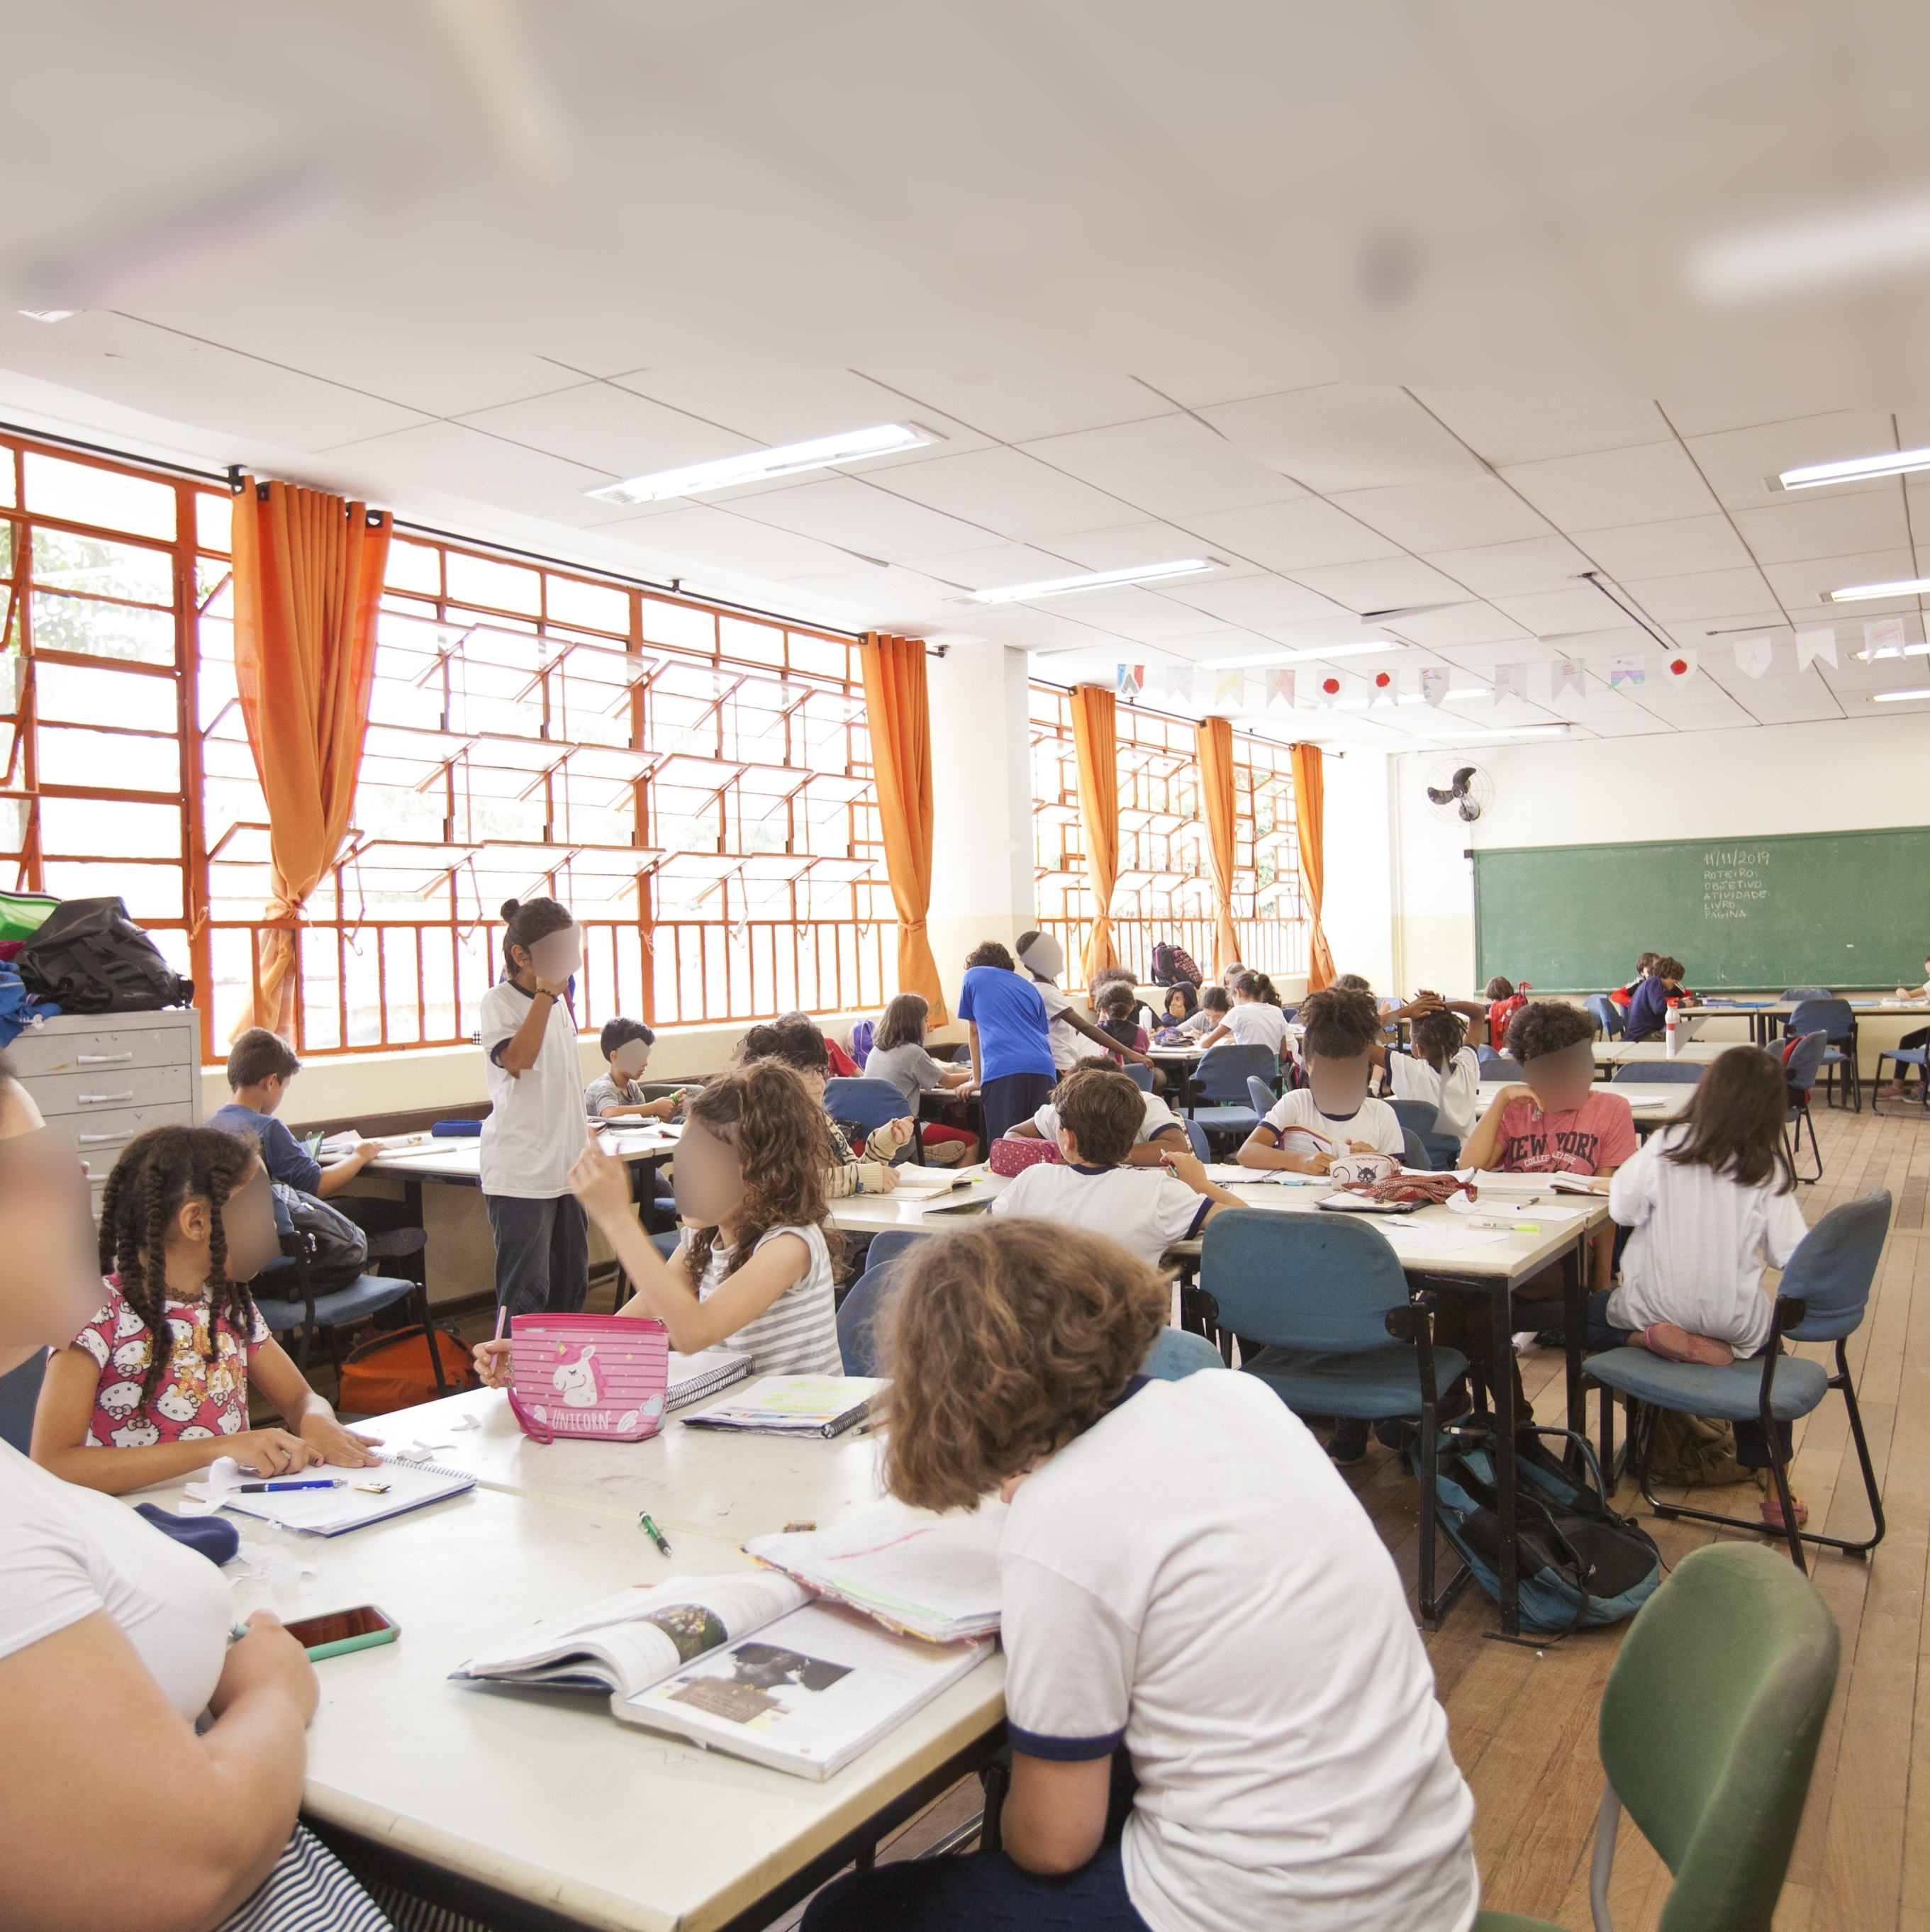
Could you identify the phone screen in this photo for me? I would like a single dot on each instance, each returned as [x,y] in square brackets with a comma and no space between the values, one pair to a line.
[311,1633]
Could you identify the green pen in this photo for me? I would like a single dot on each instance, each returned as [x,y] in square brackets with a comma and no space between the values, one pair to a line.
[645,1523]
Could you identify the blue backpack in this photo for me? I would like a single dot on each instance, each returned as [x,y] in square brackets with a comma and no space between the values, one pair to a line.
[1580,1564]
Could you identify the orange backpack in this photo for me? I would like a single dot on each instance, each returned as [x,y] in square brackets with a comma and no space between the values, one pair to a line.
[393,1372]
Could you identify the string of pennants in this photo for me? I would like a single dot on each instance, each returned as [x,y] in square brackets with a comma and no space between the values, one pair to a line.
[1258,690]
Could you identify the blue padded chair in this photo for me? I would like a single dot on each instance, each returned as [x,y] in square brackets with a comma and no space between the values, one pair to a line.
[1196,1134]
[1905,1057]
[667,1243]
[20,1391]
[1414,1151]
[858,1312]
[1262,1096]
[1809,993]
[892,1243]
[1498,1066]
[1141,1077]
[1420,1120]
[1822,1298]
[1418,1117]
[1221,1080]
[1177,1353]
[866,1106]
[1800,1068]
[1836,1021]
[1339,1334]
[1657,1073]
[1607,1016]
[290,1306]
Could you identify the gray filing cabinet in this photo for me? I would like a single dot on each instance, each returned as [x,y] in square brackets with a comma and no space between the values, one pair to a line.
[109,1076]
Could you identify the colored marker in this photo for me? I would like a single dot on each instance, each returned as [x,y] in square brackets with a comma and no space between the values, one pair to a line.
[648,1526]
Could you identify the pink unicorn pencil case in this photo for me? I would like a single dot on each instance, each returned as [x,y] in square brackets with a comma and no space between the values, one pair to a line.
[602,1376]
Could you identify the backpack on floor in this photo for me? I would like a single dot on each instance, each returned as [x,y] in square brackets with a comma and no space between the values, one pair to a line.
[89,957]
[1173,964]
[1580,1564]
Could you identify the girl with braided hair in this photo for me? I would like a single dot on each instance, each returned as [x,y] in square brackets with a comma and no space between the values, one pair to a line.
[156,1385]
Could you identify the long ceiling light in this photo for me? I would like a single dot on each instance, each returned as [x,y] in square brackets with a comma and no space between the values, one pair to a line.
[1908,586]
[1855,469]
[1092,580]
[1897,697]
[762,466]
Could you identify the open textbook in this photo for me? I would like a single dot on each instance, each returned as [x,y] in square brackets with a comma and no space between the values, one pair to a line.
[747,1663]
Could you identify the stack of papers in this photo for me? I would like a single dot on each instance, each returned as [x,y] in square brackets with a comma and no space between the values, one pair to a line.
[1527,1184]
[936,1577]
[793,1405]
[694,1377]
[913,1181]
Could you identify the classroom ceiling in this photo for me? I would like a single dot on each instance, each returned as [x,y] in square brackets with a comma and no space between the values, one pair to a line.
[475,261]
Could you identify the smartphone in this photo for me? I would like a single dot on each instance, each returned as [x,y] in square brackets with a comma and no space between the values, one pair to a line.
[343,1630]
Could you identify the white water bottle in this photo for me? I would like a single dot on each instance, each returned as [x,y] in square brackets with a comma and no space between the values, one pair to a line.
[1671,1037]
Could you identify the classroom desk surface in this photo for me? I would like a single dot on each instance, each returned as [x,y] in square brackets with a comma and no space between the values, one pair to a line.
[577,1819]
[1697,1053]
[1651,1104]
[458,1158]
[1763,1015]
[875,1213]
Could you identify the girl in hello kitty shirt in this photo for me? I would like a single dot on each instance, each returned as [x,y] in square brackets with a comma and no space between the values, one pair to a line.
[186,1221]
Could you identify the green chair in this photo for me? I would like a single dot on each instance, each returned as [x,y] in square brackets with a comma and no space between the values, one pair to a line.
[1709,1726]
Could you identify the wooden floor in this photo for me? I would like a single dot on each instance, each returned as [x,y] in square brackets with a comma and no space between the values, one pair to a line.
[1523,1721]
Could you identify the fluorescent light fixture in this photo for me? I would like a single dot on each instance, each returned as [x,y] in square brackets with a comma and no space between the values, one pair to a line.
[761,466]
[1519,731]
[1897,697]
[1908,586]
[1810,254]
[1855,469]
[1892,651]
[1372,647]
[48,314]
[1094,580]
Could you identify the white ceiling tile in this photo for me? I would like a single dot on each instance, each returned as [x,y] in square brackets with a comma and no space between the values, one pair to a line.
[1255,601]
[1457,625]
[1137,615]
[767,406]
[1740,463]
[482,469]
[1614,486]
[986,567]
[1554,613]
[1006,490]
[1800,586]
[1346,436]
[851,513]
[1121,546]
[1298,535]
[610,430]
[703,533]
[1171,466]
[1808,523]
[1714,416]
[1504,427]
[1703,593]
[1458,515]
[1386,585]
[1512,569]
[1022,408]
[1665,549]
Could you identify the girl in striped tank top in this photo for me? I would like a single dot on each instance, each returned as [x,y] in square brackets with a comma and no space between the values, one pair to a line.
[756,1267]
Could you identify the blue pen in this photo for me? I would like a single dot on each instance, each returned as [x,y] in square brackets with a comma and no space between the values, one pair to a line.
[276,1489]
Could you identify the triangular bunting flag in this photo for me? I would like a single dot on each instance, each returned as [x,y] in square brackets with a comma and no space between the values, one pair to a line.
[1567,679]
[1381,688]
[1179,683]
[1627,670]
[1882,638]
[1510,681]
[1679,666]
[1227,688]
[1132,680]
[1811,645]
[1753,655]
[1280,688]
[1434,684]
[1331,686]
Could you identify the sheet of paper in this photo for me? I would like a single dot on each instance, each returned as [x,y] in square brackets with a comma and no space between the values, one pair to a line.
[1515,1207]
[1433,1235]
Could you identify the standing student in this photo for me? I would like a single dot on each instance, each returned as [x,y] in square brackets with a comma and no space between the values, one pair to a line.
[1442,1071]
[1010,1032]
[1648,1010]
[260,1066]
[1332,1114]
[755,1269]
[1707,1200]
[534,1132]
[897,1055]
[1255,1020]
[156,1385]
[1196,1611]
[1074,1037]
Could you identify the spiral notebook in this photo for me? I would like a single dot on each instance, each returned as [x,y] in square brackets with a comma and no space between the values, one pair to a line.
[352,1504]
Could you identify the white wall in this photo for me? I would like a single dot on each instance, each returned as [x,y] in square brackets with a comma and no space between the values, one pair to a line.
[1842,775]
[1357,913]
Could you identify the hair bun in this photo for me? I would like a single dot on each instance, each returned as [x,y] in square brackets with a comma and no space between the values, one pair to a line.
[510,909]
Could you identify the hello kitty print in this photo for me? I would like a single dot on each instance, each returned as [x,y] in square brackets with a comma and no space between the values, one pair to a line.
[204,1393]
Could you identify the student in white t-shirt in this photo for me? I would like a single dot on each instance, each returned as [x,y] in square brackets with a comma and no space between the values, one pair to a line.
[1094,1185]
[1442,1071]
[755,1267]
[1161,1131]
[534,1130]
[1072,1035]
[1186,1583]
[1256,1019]
[1331,1114]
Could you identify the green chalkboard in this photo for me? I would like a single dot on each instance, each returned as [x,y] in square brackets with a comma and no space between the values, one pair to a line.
[1839,909]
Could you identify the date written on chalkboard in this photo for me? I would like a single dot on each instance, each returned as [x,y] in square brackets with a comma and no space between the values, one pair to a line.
[1735,882]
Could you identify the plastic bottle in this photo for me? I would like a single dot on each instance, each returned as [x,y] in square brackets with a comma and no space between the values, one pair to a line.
[1671,1034]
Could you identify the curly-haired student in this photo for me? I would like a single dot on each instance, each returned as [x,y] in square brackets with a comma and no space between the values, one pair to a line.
[1220,1712]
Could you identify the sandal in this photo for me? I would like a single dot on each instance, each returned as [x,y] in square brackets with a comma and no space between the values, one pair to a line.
[1771,1509]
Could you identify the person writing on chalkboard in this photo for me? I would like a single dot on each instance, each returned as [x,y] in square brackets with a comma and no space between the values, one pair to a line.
[1648,1010]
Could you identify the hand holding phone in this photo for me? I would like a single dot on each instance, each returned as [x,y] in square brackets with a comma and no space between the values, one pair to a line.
[341,1631]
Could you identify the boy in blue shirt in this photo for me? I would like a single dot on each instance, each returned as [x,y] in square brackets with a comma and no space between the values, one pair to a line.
[1011,1038]
[260,1065]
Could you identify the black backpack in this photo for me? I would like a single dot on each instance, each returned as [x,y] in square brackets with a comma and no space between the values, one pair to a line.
[1172,964]
[333,1249]
[89,957]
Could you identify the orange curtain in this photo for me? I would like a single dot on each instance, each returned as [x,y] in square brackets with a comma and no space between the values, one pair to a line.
[1095,741]
[1310,809]
[1215,737]
[308,570]
[899,716]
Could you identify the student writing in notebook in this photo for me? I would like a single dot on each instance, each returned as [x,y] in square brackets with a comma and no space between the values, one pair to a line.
[1161,1131]
[156,1385]
[1332,1114]
[755,1265]
[1256,1019]
[261,1065]
[1220,1713]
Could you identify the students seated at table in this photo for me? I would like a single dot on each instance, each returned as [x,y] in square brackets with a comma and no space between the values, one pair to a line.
[898,1055]
[260,1066]
[755,1269]
[1220,1713]
[1442,1071]
[1659,990]
[186,1222]
[1072,1037]
[1182,1002]
[1624,996]
[1011,1035]
[1161,1131]
[617,1093]
[1255,1018]
[119,1811]
[1215,1003]
[1893,1089]
[801,1047]
[1095,1183]
[1555,1119]
[1332,1114]
[1707,1200]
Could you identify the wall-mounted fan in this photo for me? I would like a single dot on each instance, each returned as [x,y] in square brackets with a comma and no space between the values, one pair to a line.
[1460,793]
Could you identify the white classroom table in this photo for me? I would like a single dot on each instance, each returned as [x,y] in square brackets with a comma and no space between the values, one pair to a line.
[1763,1014]
[457,1158]
[1652,1104]
[1625,1052]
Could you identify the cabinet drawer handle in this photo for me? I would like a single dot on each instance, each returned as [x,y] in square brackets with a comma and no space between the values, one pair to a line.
[99,1140]
[104,1059]
[102,1100]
